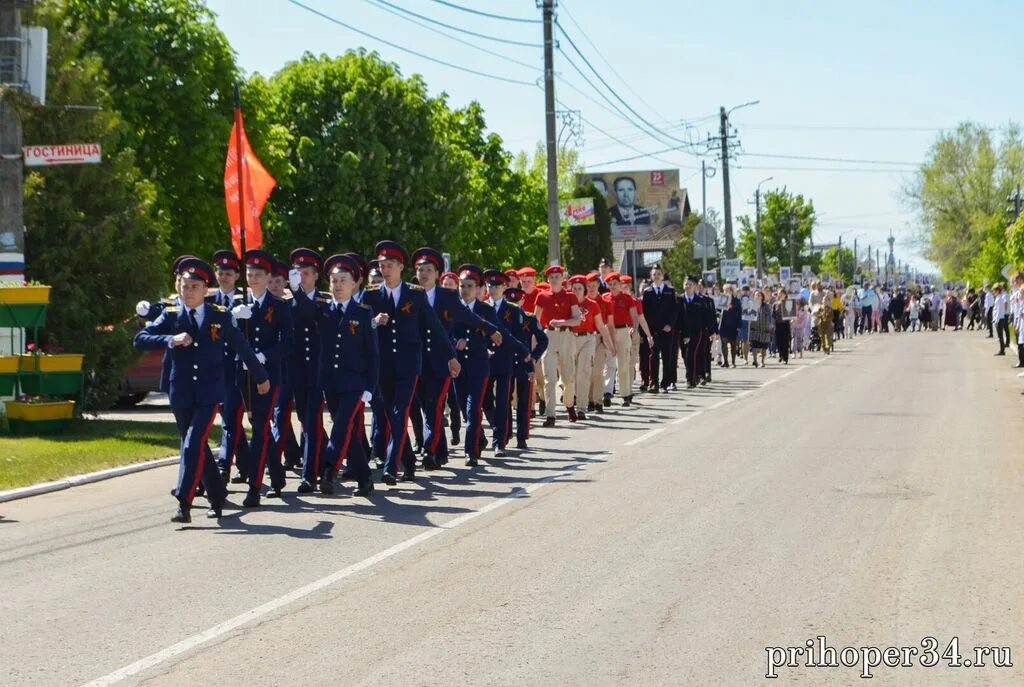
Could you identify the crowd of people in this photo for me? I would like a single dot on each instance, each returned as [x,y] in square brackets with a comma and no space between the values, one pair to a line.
[472,356]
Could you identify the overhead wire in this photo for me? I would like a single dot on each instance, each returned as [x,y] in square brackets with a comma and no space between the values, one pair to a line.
[829,159]
[481,13]
[396,46]
[459,29]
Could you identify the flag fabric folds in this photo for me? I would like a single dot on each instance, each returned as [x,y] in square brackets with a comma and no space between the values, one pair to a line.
[247,197]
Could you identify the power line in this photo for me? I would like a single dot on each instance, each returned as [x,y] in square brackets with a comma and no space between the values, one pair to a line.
[625,83]
[487,14]
[607,85]
[636,157]
[366,34]
[830,159]
[431,20]
[828,169]
[380,4]
[814,127]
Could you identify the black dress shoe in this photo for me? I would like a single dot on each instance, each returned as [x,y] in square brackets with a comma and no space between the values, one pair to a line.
[549,422]
[252,500]
[388,479]
[442,461]
[238,479]
[521,445]
[182,514]
[216,510]
[346,476]
[305,487]
[627,401]
[471,462]
[580,415]
[499,451]
[327,480]
[273,493]
[607,400]
[429,463]
[365,489]
[200,489]
[455,437]
[542,408]
[226,476]
[407,477]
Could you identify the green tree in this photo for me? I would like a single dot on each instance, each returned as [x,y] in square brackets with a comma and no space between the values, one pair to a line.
[170,71]
[678,261]
[838,262]
[93,231]
[584,246]
[784,215]
[960,197]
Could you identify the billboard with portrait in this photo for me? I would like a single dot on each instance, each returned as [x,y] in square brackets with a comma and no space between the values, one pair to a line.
[641,204]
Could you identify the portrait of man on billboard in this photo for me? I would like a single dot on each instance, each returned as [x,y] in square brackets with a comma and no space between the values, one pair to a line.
[626,212]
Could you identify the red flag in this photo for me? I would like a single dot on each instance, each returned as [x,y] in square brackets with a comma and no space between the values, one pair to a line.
[255,189]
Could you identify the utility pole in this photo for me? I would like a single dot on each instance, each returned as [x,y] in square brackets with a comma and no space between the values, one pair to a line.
[856,258]
[792,241]
[12,219]
[757,232]
[723,133]
[554,246]
[703,191]
[839,255]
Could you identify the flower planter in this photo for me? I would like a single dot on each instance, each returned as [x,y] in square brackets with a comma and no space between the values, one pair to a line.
[8,373]
[57,362]
[39,418]
[25,294]
[9,363]
[22,315]
[51,383]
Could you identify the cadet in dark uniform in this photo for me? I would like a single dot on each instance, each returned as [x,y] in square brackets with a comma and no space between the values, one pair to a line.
[710,328]
[269,332]
[691,318]
[532,336]
[660,306]
[498,399]
[193,333]
[303,363]
[436,381]
[403,319]
[348,369]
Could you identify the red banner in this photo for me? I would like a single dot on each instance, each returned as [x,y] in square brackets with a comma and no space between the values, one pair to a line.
[255,189]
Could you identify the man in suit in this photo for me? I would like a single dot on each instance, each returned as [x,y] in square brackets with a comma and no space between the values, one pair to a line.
[532,336]
[269,332]
[659,300]
[434,387]
[474,351]
[403,318]
[498,399]
[690,320]
[349,364]
[193,334]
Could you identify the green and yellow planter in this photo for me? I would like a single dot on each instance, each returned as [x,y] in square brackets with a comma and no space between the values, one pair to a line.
[59,374]
[23,306]
[39,418]
[8,373]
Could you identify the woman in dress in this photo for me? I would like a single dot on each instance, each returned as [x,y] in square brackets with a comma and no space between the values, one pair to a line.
[951,313]
[761,328]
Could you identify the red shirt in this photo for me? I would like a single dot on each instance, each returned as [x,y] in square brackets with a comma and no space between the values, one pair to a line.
[638,304]
[620,307]
[530,301]
[556,306]
[590,309]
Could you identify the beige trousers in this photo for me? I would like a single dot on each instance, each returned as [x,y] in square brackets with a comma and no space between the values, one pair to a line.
[559,363]
[584,354]
[597,375]
[623,355]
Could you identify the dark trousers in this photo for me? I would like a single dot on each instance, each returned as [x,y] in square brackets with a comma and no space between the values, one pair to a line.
[416,419]
[262,449]
[1003,330]
[234,446]
[196,461]
[346,413]
[499,409]
[433,394]
[645,364]
[287,442]
[865,318]
[454,408]
[309,404]
[988,321]
[730,346]
[660,359]
[524,403]
[391,412]
[783,330]
[694,358]
[671,373]
[471,390]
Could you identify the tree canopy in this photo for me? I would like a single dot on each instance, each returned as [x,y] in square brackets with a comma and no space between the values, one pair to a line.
[783,212]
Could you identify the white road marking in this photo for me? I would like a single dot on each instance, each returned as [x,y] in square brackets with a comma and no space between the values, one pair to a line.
[280,602]
[645,436]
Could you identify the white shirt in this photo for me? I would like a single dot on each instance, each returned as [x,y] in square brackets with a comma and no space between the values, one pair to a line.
[311,295]
[199,315]
[431,294]
[394,293]
[340,306]
[497,303]
[261,300]
[999,307]
[225,299]
[989,300]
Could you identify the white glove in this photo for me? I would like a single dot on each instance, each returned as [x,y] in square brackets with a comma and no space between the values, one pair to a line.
[142,308]
[262,358]
[367,397]
[241,312]
[294,279]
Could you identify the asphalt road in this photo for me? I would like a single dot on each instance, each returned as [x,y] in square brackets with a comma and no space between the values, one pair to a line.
[873,497]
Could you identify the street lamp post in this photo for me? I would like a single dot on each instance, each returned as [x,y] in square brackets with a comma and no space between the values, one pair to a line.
[757,227]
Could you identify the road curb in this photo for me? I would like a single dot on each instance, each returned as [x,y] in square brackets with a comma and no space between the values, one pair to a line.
[88,478]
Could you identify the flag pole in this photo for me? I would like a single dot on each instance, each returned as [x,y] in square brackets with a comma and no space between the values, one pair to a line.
[247,393]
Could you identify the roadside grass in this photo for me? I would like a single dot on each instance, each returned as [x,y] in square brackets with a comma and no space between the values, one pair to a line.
[85,446]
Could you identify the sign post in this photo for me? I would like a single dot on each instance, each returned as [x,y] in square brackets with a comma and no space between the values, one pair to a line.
[65,154]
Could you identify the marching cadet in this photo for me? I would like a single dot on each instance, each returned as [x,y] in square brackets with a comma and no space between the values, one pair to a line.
[435,383]
[528,283]
[586,335]
[640,337]
[558,312]
[625,321]
[498,399]
[234,446]
[360,292]
[192,333]
[450,282]
[693,329]
[604,347]
[281,418]
[710,328]
[532,336]
[303,363]
[403,319]
[269,332]
[349,363]
[474,351]
[659,301]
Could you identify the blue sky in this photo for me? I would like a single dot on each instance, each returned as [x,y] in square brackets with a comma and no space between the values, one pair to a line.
[871,80]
